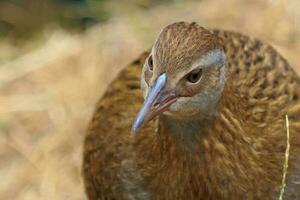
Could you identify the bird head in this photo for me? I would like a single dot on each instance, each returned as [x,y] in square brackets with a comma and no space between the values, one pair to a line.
[184,75]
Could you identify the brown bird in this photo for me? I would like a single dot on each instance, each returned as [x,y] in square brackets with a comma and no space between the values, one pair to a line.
[212,125]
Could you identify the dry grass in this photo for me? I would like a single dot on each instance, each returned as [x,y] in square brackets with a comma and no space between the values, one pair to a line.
[286,160]
[47,93]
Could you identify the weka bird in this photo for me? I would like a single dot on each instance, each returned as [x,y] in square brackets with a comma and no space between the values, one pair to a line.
[212,125]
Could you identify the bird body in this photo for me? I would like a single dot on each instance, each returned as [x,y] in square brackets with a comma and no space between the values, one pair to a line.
[216,131]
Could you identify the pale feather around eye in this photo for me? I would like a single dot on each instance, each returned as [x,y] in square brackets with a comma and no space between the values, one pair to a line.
[205,100]
[216,56]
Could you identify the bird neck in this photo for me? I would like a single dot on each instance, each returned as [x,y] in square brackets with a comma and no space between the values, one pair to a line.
[185,131]
[208,124]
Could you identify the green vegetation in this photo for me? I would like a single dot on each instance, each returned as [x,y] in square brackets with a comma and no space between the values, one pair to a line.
[20,19]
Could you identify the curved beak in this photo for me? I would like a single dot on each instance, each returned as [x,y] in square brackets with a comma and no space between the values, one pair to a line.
[157,101]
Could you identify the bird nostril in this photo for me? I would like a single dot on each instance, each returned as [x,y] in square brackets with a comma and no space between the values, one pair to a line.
[155,105]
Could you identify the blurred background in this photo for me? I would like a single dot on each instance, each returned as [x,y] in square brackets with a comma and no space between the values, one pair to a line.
[58,56]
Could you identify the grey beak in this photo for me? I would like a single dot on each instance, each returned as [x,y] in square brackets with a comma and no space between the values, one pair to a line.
[154,91]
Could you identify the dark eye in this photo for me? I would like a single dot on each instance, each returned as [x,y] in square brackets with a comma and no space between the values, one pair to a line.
[194,76]
[150,63]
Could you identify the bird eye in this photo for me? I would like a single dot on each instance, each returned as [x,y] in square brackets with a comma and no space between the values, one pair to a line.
[194,76]
[150,63]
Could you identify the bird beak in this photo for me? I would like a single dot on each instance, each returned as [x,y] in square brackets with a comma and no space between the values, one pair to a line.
[157,101]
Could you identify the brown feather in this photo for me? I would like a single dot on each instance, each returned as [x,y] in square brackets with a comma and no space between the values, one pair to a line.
[237,155]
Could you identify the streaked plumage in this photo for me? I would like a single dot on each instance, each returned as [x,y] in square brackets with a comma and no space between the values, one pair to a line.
[232,148]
